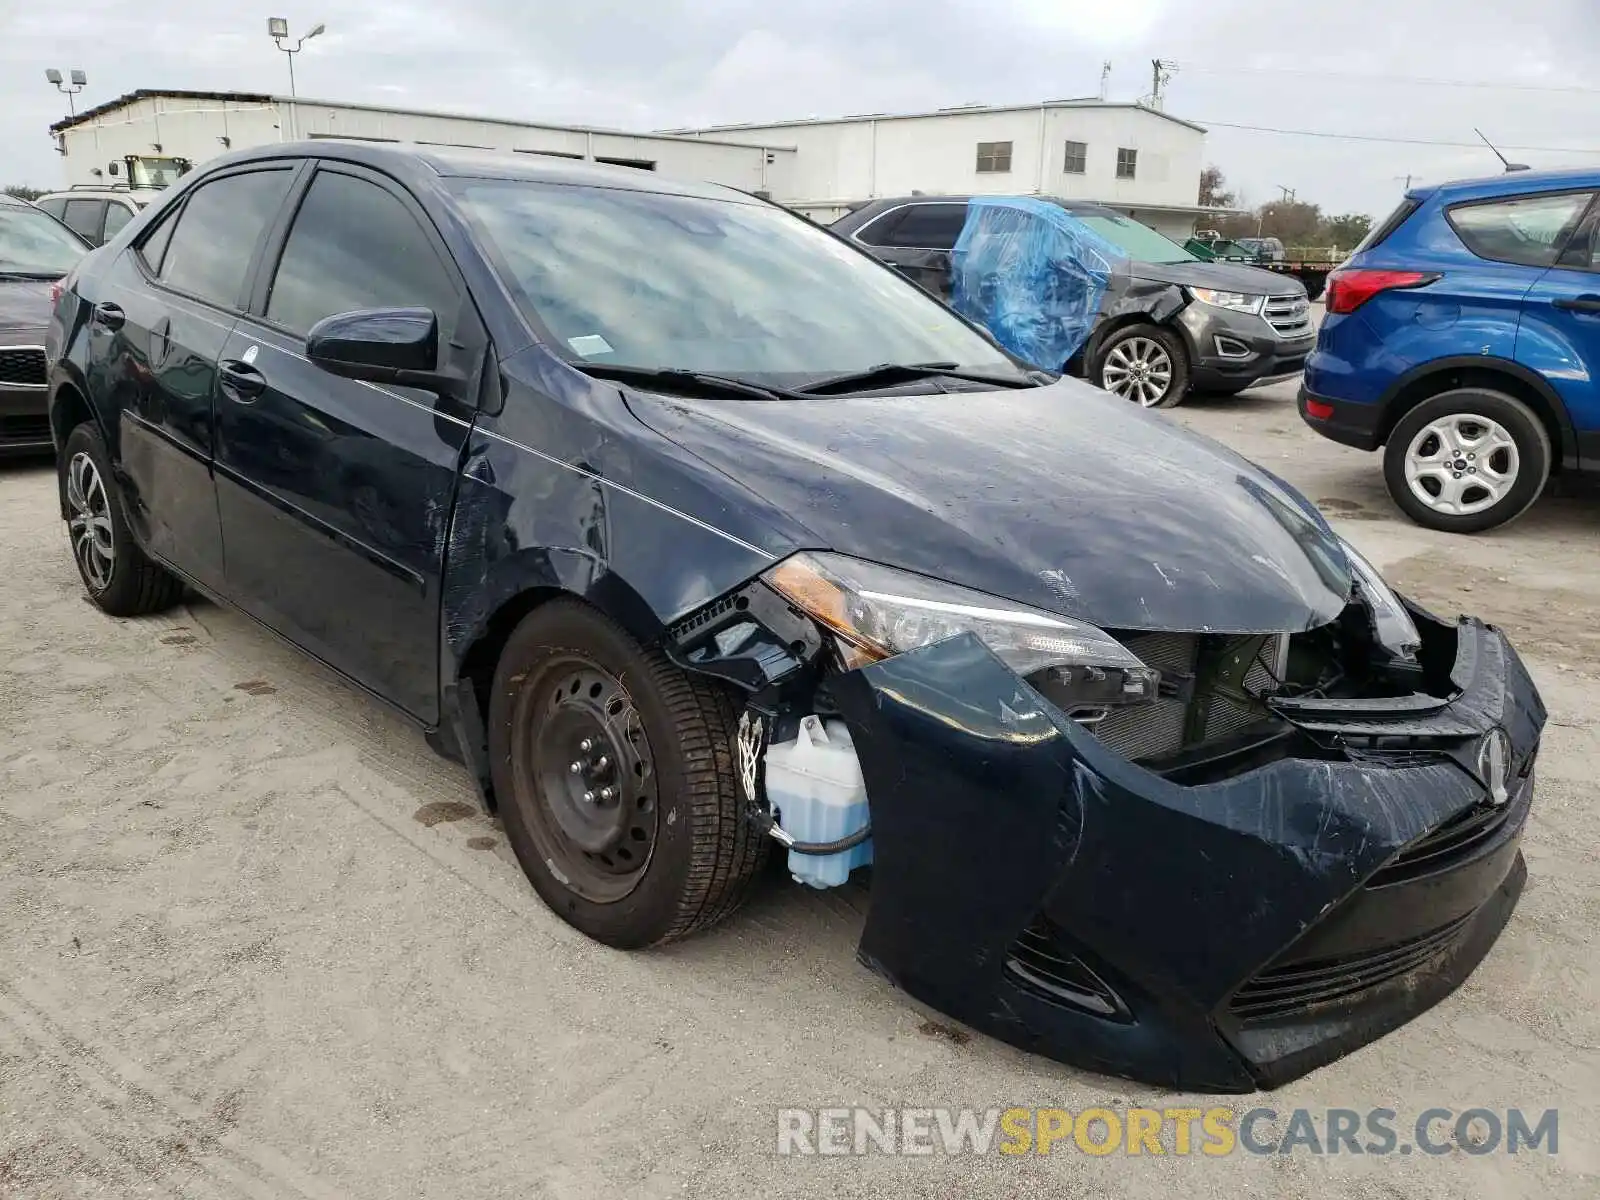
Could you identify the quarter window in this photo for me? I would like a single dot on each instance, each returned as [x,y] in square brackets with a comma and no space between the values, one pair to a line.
[116,217]
[1077,161]
[1527,230]
[1127,163]
[209,251]
[355,245]
[994,158]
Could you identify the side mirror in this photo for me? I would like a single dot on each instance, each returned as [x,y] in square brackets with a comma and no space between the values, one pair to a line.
[382,345]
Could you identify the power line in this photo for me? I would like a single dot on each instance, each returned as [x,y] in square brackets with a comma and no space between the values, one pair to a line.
[1410,80]
[1398,141]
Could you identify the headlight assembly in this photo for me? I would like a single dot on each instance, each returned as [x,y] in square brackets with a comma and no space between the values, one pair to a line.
[875,612]
[1396,631]
[1236,301]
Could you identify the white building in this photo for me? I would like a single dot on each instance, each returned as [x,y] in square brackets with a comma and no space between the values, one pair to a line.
[1139,160]
[201,125]
[1136,159]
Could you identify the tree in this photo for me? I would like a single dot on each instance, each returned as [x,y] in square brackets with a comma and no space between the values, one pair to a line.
[1292,222]
[1213,189]
[1345,231]
[23,192]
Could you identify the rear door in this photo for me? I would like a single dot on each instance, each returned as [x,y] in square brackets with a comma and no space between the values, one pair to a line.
[916,239]
[335,494]
[1560,332]
[158,329]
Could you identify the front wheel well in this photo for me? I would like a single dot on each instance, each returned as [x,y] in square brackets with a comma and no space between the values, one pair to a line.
[478,664]
[1489,379]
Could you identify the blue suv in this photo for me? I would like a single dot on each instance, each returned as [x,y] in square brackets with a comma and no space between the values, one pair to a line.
[1463,335]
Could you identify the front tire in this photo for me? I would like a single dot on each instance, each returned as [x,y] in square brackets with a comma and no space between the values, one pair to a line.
[119,577]
[1467,460]
[1145,364]
[617,780]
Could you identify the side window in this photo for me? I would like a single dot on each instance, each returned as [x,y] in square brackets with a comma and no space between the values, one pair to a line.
[117,215]
[930,227]
[1528,231]
[55,206]
[209,251]
[355,245]
[83,218]
[880,231]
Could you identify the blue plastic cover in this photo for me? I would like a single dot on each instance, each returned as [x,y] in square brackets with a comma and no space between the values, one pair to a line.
[1033,275]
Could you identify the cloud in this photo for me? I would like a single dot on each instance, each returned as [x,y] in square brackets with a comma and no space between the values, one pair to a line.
[653,64]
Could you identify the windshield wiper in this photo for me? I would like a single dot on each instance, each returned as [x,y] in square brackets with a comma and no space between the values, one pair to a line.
[679,379]
[886,374]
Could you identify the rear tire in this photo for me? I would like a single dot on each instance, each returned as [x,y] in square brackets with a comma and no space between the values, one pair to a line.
[119,577]
[1146,365]
[1467,460]
[617,780]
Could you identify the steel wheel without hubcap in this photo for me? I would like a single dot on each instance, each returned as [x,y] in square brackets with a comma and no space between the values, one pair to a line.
[90,522]
[585,780]
[1461,464]
[1138,369]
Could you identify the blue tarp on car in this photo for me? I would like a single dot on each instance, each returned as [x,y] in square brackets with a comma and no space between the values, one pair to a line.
[1033,275]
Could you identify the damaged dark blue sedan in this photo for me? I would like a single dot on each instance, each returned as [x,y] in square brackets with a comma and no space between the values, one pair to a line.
[694,532]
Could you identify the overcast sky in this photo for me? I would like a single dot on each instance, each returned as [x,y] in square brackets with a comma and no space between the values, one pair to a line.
[650,64]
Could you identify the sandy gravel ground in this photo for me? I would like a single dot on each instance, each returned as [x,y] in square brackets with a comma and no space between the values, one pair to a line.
[256,940]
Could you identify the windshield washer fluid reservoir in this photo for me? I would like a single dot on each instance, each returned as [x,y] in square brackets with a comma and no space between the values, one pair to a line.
[817,793]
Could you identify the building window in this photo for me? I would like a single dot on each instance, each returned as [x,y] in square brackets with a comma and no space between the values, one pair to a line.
[994,158]
[1077,158]
[1127,163]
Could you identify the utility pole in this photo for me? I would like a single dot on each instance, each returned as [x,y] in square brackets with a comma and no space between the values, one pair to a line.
[1288,193]
[1105,77]
[1161,73]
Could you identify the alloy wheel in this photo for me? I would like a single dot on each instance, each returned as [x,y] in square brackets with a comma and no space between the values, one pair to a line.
[90,522]
[585,778]
[1138,369]
[1461,464]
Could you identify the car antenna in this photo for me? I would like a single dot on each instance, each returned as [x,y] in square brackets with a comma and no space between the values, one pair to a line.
[1510,166]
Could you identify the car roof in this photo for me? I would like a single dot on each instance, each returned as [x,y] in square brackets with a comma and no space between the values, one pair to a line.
[421,164]
[1073,206]
[1511,183]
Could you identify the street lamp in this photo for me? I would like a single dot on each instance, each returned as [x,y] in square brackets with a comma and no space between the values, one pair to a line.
[69,89]
[278,31]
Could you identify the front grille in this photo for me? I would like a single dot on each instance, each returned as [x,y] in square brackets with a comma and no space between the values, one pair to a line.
[1039,962]
[1289,316]
[22,366]
[1292,988]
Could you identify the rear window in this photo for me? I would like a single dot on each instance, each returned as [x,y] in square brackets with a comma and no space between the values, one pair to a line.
[1380,232]
[1526,230]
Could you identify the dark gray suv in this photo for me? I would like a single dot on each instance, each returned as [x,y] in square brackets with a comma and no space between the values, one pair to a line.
[1182,323]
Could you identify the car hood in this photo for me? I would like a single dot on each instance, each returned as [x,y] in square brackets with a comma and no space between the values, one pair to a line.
[24,307]
[1224,276]
[1058,496]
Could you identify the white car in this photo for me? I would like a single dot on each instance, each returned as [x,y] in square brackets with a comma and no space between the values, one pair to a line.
[96,212]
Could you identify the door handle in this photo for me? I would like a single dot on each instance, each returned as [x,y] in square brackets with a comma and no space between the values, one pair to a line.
[241,381]
[109,315]
[1582,304]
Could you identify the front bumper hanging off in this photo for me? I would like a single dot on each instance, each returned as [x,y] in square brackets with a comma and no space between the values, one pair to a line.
[1223,936]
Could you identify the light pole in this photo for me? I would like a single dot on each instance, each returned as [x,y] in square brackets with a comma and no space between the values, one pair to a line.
[278,31]
[69,89]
